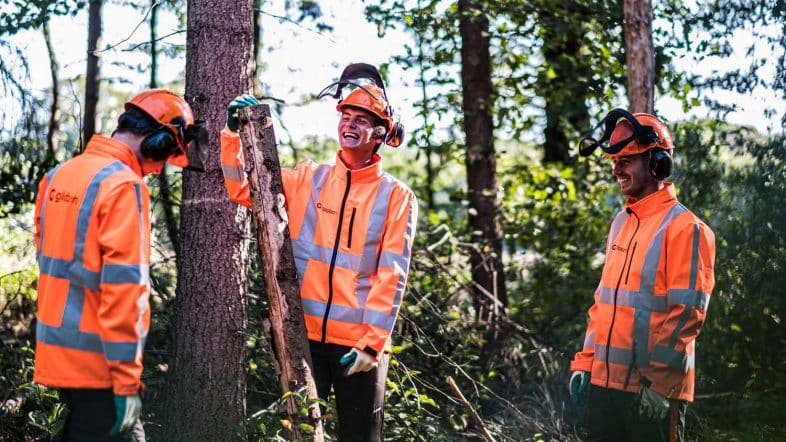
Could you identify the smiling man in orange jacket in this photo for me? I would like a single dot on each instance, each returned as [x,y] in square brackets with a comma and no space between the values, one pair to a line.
[352,227]
[92,237]
[636,370]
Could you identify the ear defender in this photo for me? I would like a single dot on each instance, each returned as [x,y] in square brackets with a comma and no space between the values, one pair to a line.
[159,145]
[660,164]
[379,132]
[395,136]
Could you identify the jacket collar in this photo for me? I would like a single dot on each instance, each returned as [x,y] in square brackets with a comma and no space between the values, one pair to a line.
[105,146]
[654,202]
[368,174]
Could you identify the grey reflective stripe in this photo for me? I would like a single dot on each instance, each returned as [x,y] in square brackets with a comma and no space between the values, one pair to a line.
[79,340]
[110,273]
[301,246]
[616,226]
[589,340]
[347,314]
[68,334]
[376,223]
[694,264]
[635,299]
[233,173]
[142,303]
[44,198]
[617,355]
[125,274]
[673,358]
[689,298]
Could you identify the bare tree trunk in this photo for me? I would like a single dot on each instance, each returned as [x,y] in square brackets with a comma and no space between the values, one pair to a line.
[426,127]
[288,327]
[52,135]
[207,380]
[640,54]
[486,259]
[92,80]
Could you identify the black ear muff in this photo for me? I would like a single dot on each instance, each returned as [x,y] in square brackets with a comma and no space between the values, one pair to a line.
[660,164]
[159,145]
[379,132]
[395,135]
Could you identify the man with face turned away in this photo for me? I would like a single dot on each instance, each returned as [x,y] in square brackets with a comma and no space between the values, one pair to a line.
[92,221]
[635,372]
[352,227]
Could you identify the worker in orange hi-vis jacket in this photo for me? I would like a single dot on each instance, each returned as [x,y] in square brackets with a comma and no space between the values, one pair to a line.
[92,221]
[352,227]
[636,369]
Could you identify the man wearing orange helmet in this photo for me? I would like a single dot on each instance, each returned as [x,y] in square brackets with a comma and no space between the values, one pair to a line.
[636,369]
[352,227]
[92,237]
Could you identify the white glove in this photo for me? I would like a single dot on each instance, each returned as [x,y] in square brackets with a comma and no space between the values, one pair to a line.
[357,361]
[653,404]
[127,411]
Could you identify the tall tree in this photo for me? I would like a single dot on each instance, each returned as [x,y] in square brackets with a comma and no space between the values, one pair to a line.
[92,80]
[480,159]
[640,55]
[207,379]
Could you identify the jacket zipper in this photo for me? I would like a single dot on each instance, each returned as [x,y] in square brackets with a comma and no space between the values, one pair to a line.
[630,263]
[351,223]
[616,289]
[333,258]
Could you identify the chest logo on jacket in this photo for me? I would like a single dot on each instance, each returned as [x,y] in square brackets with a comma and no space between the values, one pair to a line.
[325,209]
[617,248]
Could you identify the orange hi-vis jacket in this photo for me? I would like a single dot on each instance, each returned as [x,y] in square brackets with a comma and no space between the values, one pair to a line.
[93,247]
[652,299]
[352,233]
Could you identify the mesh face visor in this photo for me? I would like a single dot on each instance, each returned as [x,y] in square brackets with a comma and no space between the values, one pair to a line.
[193,156]
[643,134]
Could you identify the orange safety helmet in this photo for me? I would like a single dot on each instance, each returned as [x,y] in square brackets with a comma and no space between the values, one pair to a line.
[624,130]
[369,98]
[172,111]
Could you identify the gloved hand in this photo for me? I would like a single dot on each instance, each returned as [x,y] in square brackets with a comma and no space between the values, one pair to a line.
[239,102]
[652,404]
[357,361]
[579,386]
[127,411]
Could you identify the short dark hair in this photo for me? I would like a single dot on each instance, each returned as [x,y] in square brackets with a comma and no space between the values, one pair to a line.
[137,122]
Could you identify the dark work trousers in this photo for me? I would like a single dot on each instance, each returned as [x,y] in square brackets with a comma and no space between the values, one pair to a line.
[91,415]
[613,416]
[360,398]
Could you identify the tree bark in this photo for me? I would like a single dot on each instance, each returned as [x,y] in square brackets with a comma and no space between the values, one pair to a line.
[52,134]
[640,55]
[92,80]
[207,384]
[486,258]
[288,327]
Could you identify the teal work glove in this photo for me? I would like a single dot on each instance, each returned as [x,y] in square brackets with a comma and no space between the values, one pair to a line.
[652,404]
[356,361]
[127,411]
[579,386]
[238,103]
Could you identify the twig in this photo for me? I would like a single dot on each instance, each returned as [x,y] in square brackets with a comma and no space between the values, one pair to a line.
[471,411]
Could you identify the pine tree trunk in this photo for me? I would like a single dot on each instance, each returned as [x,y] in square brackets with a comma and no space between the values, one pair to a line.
[92,80]
[486,257]
[206,388]
[640,54]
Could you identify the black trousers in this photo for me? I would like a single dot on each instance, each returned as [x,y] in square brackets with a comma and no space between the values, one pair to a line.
[360,398]
[613,416]
[92,415]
